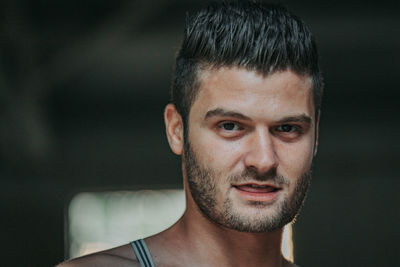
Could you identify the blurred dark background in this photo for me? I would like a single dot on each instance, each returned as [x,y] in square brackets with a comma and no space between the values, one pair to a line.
[83,85]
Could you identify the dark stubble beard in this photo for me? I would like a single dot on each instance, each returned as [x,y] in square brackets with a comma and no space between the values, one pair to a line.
[203,187]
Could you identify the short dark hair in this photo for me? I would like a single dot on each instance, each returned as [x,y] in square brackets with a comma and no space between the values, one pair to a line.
[260,37]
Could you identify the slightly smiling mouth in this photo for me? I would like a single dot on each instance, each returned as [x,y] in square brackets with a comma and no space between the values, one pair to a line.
[257,192]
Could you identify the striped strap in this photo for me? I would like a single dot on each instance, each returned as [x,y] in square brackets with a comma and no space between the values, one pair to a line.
[142,253]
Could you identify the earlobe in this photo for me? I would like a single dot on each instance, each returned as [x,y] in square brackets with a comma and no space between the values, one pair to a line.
[174,129]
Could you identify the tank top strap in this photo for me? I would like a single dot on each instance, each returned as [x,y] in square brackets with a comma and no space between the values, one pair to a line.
[142,253]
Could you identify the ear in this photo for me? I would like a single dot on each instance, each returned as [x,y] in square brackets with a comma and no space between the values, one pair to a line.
[174,128]
[316,132]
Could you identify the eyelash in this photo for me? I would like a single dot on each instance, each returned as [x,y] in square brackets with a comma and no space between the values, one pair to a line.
[237,130]
[235,124]
[294,128]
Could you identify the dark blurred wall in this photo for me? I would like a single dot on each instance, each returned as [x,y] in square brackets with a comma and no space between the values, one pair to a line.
[82,90]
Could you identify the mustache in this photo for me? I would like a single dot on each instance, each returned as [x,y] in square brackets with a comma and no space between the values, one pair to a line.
[251,174]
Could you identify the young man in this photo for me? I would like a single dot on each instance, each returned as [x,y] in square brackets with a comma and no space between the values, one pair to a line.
[244,116]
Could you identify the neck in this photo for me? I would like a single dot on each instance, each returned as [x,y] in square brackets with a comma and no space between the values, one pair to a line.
[230,246]
[202,242]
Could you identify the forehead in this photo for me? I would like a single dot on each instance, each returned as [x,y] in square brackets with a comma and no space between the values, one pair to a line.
[279,94]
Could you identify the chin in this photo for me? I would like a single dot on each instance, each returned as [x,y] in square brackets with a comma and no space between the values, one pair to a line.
[258,217]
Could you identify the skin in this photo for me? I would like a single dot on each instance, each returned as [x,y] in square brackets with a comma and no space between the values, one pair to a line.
[239,119]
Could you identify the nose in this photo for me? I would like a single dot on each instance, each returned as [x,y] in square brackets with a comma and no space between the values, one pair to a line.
[261,154]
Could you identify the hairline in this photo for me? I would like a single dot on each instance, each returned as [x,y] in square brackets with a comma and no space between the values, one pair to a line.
[204,67]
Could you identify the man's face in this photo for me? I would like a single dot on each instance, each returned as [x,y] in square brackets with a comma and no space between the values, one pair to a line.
[248,154]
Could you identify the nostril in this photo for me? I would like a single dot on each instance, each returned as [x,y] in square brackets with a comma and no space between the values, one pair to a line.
[262,162]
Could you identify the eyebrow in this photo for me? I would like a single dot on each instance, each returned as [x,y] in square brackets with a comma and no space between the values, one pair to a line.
[227,113]
[299,118]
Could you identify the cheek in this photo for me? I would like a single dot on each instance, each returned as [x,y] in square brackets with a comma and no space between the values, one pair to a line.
[295,159]
[219,155]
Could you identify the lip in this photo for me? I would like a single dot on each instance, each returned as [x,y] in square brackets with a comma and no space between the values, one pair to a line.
[257,191]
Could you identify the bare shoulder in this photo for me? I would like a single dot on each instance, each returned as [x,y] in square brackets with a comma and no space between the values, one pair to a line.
[122,256]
